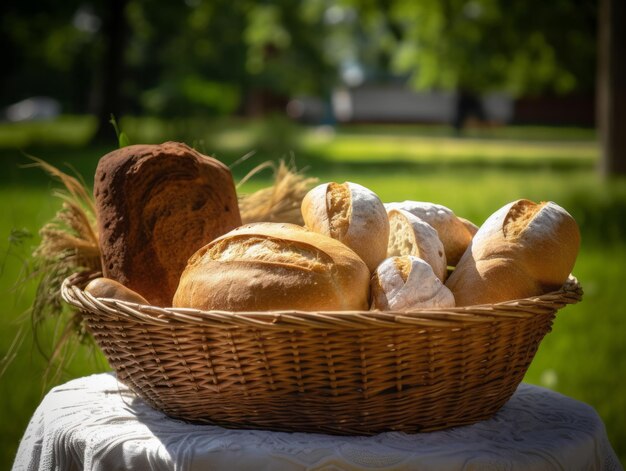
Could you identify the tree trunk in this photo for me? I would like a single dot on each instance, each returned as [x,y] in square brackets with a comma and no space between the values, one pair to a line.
[109,100]
[611,88]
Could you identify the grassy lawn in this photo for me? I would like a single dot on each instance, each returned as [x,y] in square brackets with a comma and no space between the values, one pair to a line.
[583,357]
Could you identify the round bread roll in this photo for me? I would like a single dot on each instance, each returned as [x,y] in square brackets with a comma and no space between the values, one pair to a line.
[524,249]
[274,266]
[408,283]
[352,214]
[409,235]
[452,231]
[108,288]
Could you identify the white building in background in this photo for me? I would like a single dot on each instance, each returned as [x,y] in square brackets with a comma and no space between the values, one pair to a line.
[32,109]
[396,103]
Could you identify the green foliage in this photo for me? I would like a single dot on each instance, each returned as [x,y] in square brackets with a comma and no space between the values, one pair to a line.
[218,57]
[122,138]
[220,98]
[46,54]
[198,57]
[523,47]
[224,54]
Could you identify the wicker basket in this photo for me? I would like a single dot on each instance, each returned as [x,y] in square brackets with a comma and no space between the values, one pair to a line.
[333,372]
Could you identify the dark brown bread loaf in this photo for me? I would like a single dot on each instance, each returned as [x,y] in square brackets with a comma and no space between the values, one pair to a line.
[157,205]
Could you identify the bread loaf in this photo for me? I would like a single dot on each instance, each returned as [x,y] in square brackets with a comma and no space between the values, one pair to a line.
[409,235]
[274,266]
[407,283]
[469,225]
[352,214]
[452,231]
[156,205]
[108,288]
[524,249]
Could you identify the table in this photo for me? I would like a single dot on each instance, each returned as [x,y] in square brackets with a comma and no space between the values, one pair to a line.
[95,423]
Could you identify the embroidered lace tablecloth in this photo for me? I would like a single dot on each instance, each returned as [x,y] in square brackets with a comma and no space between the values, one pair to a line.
[96,423]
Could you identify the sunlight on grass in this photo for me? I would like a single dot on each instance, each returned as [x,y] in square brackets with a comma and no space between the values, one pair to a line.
[358,148]
[586,349]
[70,131]
[234,140]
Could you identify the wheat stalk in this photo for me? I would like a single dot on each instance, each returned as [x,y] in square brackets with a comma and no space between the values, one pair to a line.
[69,244]
[279,202]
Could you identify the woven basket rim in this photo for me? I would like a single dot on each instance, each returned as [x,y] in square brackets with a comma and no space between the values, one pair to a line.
[73,293]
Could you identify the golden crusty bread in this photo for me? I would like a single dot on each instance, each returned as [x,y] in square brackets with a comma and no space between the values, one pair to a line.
[469,225]
[274,266]
[524,249]
[156,205]
[108,288]
[407,283]
[455,234]
[409,235]
[352,214]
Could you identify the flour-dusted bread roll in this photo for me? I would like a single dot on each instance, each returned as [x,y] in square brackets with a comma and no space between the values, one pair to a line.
[409,235]
[408,283]
[274,266]
[452,231]
[108,288]
[156,205]
[352,214]
[524,249]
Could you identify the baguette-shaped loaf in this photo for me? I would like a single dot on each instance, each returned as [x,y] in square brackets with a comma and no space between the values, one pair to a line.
[274,266]
[453,232]
[352,214]
[524,249]
[156,205]
[108,288]
[408,283]
[409,235]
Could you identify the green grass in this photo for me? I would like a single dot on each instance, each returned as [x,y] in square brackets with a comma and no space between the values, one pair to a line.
[585,354]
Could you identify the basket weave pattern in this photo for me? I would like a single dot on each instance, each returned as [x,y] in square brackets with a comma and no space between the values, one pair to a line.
[333,372]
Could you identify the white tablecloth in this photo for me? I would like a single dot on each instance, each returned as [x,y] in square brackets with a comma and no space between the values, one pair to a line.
[96,423]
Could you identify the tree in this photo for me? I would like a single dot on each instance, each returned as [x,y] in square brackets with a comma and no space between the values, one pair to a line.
[524,47]
[161,58]
[48,49]
[109,101]
[612,86]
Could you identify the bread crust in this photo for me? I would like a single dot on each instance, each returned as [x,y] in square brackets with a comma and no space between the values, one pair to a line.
[108,288]
[522,250]
[408,283]
[453,232]
[156,205]
[274,266]
[352,214]
[423,241]
[469,225]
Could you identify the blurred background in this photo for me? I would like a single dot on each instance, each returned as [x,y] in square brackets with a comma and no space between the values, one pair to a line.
[466,103]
